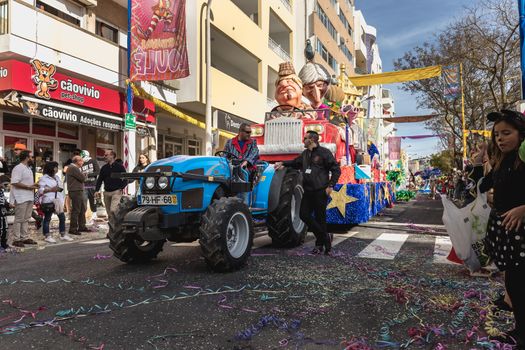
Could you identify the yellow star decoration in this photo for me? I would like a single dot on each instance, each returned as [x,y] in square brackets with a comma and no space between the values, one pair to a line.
[340,199]
[387,193]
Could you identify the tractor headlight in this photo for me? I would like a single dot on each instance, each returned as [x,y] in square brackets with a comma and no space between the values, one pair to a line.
[257,131]
[150,183]
[163,182]
[318,128]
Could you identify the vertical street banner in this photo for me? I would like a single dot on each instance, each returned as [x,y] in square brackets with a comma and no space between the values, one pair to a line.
[394,147]
[452,81]
[521,4]
[158,40]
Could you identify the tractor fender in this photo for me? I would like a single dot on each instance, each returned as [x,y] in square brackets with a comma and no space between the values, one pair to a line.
[145,221]
[275,188]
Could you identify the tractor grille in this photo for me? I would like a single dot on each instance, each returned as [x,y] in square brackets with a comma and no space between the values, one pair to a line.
[283,131]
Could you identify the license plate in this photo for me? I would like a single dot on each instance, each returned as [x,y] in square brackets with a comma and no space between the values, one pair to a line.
[157,199]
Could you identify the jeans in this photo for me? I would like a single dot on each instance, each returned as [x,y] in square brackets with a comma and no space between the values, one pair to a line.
[89,197]
[314,202]
[61,225]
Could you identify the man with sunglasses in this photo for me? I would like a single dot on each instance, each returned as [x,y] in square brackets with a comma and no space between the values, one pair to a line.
[244,147]
[320,173]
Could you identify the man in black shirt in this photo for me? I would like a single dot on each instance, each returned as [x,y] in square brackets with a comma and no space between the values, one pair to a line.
[112,187]
[320,173]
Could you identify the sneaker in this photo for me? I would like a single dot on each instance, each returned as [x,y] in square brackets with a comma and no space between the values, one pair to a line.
[75,233]
[50,239]
[94,217]
[18,244]
[329,252]
[29,241]
[85,229]
[317,250]
[66,237]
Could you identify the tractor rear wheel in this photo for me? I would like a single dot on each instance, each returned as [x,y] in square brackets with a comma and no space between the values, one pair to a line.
[285,227]
[226,234]
[124,241]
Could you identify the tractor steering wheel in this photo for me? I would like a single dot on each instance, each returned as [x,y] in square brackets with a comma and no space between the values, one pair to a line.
[294,109]
[228,154]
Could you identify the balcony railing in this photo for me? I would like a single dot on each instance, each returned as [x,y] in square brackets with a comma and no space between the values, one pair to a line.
[4,17]
[287,4]
[278,50]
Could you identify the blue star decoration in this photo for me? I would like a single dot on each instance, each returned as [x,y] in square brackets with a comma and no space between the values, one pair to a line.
[340,199]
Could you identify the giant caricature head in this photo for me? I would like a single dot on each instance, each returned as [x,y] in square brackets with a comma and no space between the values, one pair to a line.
[316,80]
[288,86]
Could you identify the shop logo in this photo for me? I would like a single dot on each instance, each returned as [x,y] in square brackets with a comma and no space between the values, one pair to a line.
[43,78]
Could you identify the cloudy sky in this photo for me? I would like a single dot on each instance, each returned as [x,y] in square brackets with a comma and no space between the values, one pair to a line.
[402,25]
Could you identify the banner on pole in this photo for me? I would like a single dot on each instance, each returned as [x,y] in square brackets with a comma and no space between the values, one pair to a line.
[158,40]
[394,147]
[451,79]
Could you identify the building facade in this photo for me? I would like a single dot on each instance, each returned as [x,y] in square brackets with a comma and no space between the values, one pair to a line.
[64,68]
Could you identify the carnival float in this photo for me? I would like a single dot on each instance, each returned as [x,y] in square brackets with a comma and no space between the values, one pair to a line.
[333,111]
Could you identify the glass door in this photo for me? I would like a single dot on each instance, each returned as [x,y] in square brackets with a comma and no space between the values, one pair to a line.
[65,152]
[43,152]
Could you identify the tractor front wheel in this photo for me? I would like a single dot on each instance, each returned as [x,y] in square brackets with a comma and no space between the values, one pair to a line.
[226,234]
[124,241]
[285,227]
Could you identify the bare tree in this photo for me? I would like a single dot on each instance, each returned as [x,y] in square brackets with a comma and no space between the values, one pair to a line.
[485,40]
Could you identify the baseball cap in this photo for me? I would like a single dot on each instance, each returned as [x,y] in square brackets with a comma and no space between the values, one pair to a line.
[84,154]
[20,146]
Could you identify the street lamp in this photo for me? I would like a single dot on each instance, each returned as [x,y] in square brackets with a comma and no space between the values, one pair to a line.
[208,143]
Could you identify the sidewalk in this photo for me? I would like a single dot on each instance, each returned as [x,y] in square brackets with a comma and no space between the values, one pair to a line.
[99,230]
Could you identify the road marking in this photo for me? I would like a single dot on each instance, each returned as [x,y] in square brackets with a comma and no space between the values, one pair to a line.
[97,241]
[384,247]
[442,248]
[338,238]
[404,224]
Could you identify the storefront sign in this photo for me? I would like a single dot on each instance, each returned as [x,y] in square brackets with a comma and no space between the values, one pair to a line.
[230,122]
[70,116]
[42,80]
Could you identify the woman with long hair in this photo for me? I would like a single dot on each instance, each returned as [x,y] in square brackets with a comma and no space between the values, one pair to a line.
[142,163]
[505,241]
[52,201]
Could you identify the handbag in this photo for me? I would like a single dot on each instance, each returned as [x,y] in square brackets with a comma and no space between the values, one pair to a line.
[467,228]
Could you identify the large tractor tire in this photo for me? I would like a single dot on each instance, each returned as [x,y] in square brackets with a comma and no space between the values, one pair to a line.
[124,241]
[285,227]
[226,234]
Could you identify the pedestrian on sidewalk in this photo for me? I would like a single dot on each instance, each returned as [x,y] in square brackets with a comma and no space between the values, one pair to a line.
[113,188]
[142,164]
[75,184]
[22,196]
[52,201]
[90,169]
[505,241]
[4,208]
[320,174]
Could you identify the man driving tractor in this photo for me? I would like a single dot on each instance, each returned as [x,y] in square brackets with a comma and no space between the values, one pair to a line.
[243,147]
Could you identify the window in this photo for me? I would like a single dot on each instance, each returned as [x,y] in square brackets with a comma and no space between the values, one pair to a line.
[55,12]
[194,147]
[326,22]
[106,31]
[43,127]
[345,23]
[327,56]
[16,123]
[347,52]
[68,131]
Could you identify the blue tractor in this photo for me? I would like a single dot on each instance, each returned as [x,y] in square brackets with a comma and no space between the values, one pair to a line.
[210,199]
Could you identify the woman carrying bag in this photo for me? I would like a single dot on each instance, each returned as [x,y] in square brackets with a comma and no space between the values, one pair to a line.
[52,201]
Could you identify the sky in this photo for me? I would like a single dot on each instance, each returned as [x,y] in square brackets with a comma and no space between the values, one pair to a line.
[401,25]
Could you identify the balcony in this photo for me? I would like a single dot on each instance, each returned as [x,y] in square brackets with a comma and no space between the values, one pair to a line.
[250,8]
[56,41]
[279,37]
[287,4]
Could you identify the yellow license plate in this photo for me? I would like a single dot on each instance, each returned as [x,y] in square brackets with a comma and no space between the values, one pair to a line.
[158,199]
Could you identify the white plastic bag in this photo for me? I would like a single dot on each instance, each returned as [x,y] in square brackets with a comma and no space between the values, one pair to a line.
[466,227]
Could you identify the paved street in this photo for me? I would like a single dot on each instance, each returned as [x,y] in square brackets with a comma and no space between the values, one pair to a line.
[388,286]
